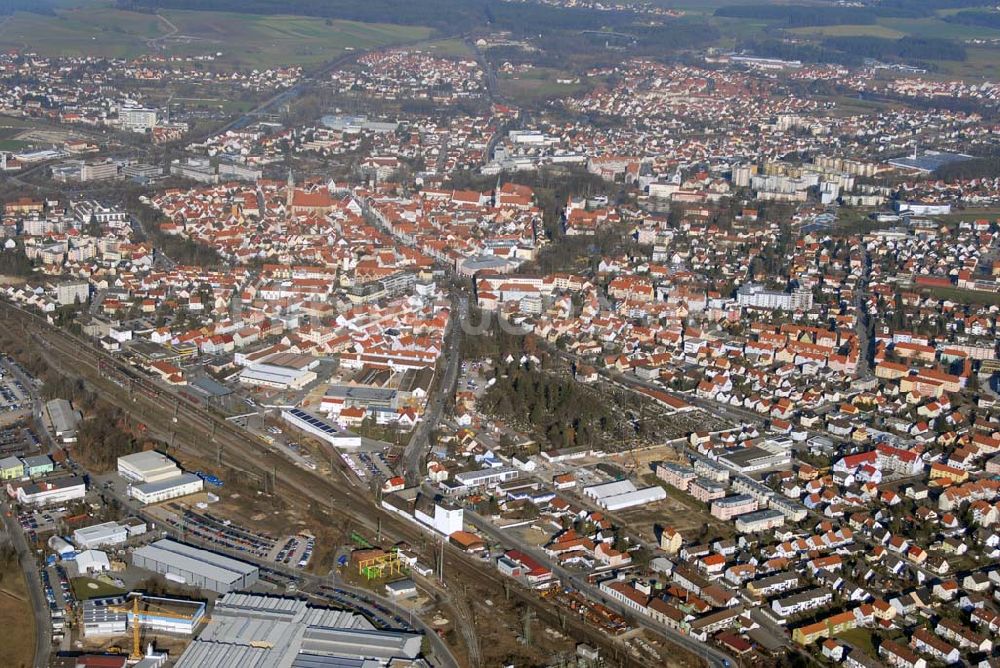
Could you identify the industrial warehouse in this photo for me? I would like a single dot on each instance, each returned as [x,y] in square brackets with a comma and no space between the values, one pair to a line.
[156,478]
[195,567]
[257,630]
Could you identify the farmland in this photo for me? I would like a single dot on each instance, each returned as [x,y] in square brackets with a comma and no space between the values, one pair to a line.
[248,40]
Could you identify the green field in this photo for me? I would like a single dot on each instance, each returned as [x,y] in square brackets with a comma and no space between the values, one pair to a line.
[13,145]
[875,30]
[87,588]
[539,83]
[961,296]
[245,39]
[446,48]
[860,638]
[982,63]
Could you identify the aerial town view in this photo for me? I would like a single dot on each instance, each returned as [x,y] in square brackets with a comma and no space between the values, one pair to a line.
[499,333]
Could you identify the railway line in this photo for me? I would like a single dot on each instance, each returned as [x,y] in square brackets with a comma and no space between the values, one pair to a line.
[203,433]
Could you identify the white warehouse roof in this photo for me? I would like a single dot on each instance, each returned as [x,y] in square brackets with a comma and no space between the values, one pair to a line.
[639,497]
[615,488]
[150,464]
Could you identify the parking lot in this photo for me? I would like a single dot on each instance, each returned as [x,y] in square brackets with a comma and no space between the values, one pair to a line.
[293,551]
[40,521]
[18,439]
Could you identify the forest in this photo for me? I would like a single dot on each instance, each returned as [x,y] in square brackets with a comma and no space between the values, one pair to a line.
[977,168]
[565,413]
[976,17]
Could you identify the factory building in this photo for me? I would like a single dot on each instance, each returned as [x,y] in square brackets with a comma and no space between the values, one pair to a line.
[114,616]
[623,494]
[196,567]
[259,630]
[281,371]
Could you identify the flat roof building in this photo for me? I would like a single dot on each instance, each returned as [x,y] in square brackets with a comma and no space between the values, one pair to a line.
[106,533]
[197,567]
[166,489]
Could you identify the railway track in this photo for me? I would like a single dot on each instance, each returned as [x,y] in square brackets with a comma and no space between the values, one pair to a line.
[202,433]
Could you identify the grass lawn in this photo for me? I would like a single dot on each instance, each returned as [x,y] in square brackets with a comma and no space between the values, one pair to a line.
[538,84]
[446,48]
[15,613]
[250,40]
[13,145]
[87,588]
[860,638]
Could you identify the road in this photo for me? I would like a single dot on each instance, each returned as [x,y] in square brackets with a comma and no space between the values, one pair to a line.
[416,449]
[39,605]
[154,43]
[865,351]
[310,584]
[202,434]
[709,654]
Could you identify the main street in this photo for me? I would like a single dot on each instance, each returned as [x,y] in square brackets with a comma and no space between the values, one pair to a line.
[416,449]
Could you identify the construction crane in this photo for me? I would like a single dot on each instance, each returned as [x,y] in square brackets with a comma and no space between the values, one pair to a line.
[132,606]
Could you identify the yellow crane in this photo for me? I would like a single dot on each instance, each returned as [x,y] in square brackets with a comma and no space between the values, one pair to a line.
[133,606]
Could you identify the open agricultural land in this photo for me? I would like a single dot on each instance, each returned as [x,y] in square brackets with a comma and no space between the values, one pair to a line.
[239,39]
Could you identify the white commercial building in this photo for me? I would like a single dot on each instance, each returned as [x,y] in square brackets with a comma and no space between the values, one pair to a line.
[106,533]
[164,490]
[47,492]
[623,494]
[147,466]
[486,477]
[276,377]
[92,561]
[446,519]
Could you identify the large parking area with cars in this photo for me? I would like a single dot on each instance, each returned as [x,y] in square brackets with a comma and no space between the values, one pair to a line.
[294,551]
